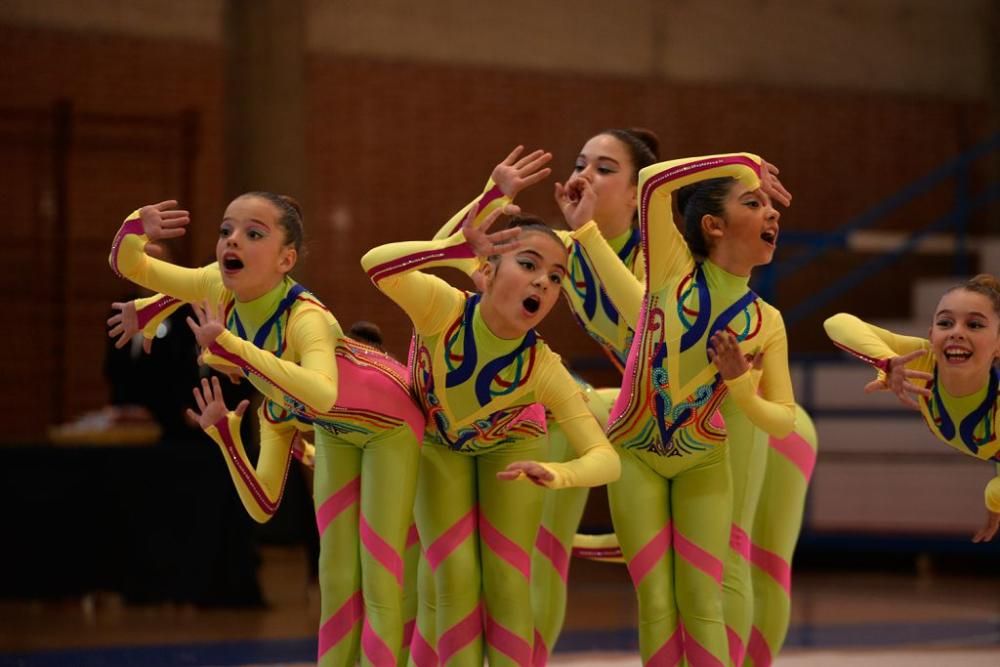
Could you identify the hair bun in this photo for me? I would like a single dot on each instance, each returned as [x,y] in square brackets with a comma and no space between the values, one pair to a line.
[366,332]
[293,202]
[648,137]
[985,280]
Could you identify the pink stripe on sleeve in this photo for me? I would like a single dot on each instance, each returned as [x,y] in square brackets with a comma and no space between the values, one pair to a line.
[418,259]
[147,313]
[130,226]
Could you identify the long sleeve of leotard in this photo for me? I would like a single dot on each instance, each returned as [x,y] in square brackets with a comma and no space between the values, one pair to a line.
[152,311]
[597,462]
[259,489]
[773,407]
[480,207]
[621,286]
[312,381]
[992,493]
[429,301]
[665,250]
[873,344]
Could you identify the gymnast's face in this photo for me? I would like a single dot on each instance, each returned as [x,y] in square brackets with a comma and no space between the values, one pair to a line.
[965,334]
[605,163]
[252,253]
[747,234]
[522,286]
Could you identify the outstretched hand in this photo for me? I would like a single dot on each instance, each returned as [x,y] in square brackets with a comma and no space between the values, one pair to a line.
[724,351]
[898,380]
[486,244]
[988,531]
[163,221]
[211,405]
[770,184]
[577,201]
[125,325]
[533,470]
[209,324]
[516,173]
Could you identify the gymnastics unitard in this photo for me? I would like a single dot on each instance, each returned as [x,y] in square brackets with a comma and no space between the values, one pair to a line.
[562,510]
[673,504]
[279,342]
[475,389]
[966,423]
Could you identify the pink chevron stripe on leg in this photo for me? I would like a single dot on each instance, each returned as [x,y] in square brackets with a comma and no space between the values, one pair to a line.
[697,655]
[550,546]
[408,629]
[376,650]
[697,556]
[504,547]
[650,555]
[340,500]
[540,655]
[671,653]
[340,623]
[511,645]
[774,565]
[460,635]
[736,649]
[422,654]
[739,541]
[412,537]
[450,539]
[758,649]
[381,550]
[798,451]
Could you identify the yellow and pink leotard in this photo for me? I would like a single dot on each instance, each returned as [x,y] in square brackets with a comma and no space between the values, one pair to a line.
[666,421]
[479,393]
[290,347]
[966,423]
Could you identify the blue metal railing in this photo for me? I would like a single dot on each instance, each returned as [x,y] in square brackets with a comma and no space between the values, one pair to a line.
[966,203]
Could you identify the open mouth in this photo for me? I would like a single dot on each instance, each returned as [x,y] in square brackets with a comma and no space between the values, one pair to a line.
[956,355]
[532,304]
[231,263]
[769,237]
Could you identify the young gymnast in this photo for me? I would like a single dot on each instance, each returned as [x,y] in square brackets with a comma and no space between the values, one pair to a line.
[698,322]
[479,368]
[951,377]
[291,348]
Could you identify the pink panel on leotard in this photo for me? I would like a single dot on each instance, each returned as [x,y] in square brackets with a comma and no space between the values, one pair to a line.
[368,389]
[331,508]
[697,556]
[337,626]
[649,555]
[450,539]
[381,550]
[504,547]
[798,451]
[508,643]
